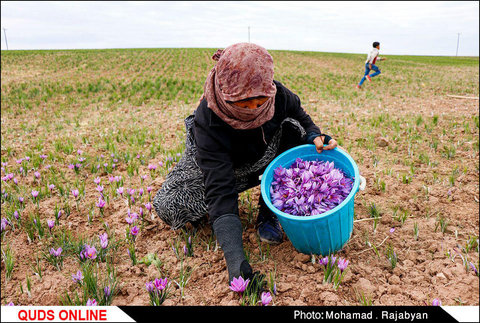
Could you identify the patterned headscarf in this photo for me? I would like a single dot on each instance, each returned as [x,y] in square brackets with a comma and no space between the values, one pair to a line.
[243,71]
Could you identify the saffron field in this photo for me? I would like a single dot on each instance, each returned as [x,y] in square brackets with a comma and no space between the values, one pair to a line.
[88,136]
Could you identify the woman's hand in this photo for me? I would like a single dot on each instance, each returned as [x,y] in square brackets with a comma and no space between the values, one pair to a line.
[318,142]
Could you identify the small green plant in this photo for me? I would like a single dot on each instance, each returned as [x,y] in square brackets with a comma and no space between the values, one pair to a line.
[441,223]
[391,256]
[415,231]
[9,261]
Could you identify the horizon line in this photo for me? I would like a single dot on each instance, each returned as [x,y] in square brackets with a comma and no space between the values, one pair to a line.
[213,48]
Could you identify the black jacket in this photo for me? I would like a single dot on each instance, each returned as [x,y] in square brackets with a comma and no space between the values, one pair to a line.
[221,148]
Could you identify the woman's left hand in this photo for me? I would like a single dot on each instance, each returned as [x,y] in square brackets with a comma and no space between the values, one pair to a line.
[318,142]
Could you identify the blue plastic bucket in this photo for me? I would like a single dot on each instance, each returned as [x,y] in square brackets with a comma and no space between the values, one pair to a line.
[324,233]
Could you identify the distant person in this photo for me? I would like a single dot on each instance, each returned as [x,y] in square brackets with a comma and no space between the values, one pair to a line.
[370,64]
[244,120]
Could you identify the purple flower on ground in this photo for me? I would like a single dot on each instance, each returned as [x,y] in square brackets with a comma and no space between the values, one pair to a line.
[90,252]
[342,264]
[20,199]
[107,291]
[437,302]
[152,167]
[34,194]
[120,191]
[51,187]
[392,230]
[239,284]
[160,164]
[148,206]
[78,277]
[134,230]
[16,215]
[104,240]
[59,214]
[3,224]
[51,224]
[92,302]
[266,298]
[75,193]
[160,284]
[43,156]
[101,203]
[99,188]
[324,261]
[37,174]
[149,286]
[10,304]
[56,253]
[149,189]
[97,180]
[140,191]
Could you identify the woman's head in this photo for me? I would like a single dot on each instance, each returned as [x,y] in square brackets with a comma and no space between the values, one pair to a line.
[244,71]
[240,87]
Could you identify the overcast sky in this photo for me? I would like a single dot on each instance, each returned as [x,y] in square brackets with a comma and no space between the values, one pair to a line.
[404,28]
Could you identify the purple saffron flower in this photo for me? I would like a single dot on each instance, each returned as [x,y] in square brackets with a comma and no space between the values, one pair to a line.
[120,191]
[140,191]
[51,224]
[152,167]
[266,298]
[392,230]
[99,188]
[91,302]
[239,284]
[90,252]
[437,302]
[56,253]
[342,264]
[107,291]
[78,277]
[324,261]
[59,214]
[134,230]
[37,175]
[148,206]
[160,164]
[149,286]
[75,193]
[104,240]
[16,215]
[34,194]
[10,304]
[43,156]
[149,189]
[3,224]
[20,199]
[51,187]
[101,203]
[160,284]
[97,180]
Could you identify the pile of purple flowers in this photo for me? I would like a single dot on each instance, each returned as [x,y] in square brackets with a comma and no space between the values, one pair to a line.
[309,187]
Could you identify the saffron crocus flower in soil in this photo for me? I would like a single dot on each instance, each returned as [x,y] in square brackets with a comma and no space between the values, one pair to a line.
[51,224]
[56,253]
[88,252]
[100,204]
[120,191]
[134,231]
[78,277]
[157,290]
[75,193]
[239,284]
[437,302]
[266,298]
[91,302]
[309,187]
[35,194]
[392,230]
[104,240]
[51,187]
